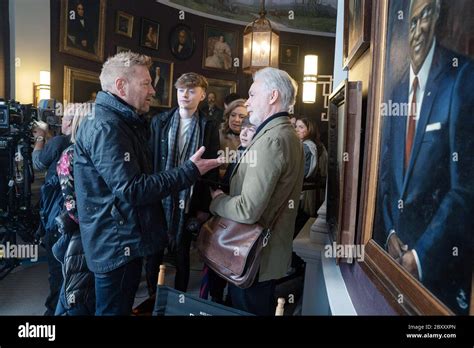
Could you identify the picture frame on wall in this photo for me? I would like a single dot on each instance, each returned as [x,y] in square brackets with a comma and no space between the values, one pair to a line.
[221,89]
[345,114]
[336,127]
[122,49]
[357,21]
[82,28]
[150,34]
[124,24]
[415,194]
[161,74]
[289,54]
[182,42]
[80,85]
[220,49]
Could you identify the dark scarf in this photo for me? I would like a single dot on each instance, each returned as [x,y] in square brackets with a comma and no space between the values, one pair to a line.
[175,204]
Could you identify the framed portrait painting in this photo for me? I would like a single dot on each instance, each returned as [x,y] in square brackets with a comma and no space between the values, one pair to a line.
[289,54]
[124,24]
[345,113]
[82,28]
[80,85]
[221,89]
[357,16]
[182,42]
[220,49]
[122,49]
[162,81]
[418,190]
[150,34]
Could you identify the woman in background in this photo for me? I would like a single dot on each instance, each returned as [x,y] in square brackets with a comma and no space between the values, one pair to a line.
[77,296]
[307,132]
[229,139]
[315,169]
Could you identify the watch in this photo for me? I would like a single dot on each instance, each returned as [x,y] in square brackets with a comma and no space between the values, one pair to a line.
[39,138]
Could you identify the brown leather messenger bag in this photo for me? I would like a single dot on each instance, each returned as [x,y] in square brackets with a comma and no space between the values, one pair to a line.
[233,250]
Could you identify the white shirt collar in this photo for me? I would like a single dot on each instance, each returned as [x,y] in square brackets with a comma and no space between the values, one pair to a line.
[424,71]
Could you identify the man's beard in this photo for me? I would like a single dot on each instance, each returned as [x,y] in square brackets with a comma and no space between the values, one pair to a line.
[254,119]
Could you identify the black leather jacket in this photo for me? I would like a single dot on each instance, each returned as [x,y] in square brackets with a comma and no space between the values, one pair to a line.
[118,197]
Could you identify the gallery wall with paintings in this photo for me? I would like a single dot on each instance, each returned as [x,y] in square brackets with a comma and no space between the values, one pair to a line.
[178,43]
[414,200]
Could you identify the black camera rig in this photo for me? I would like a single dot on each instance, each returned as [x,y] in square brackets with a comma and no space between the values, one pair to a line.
[17,215]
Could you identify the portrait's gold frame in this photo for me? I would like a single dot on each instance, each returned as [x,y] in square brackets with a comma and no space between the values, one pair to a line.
[169,86]
[70,75]
[281,48]
[363,40]
[142,39]
[235,54]
[343,178]
[129,18]
[63,45]
[231,85]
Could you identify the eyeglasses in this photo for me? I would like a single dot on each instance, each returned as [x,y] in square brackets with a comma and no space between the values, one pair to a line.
[424,17]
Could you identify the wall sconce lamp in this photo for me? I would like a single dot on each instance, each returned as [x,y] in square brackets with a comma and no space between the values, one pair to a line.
[43,89]
[310,78]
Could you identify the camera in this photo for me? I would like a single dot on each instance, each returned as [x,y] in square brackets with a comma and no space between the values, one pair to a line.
[17,216]
[47,113]
[16,170]
[16,115]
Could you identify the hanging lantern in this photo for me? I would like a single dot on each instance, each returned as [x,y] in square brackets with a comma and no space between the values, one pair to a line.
[261,44]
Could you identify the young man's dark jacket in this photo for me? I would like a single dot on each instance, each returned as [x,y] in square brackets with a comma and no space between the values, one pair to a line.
[118,197]
[159,130]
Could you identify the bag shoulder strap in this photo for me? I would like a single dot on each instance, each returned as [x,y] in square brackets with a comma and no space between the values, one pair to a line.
[267,232]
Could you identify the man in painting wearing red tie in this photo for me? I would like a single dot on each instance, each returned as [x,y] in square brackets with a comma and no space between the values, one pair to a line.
[425,203]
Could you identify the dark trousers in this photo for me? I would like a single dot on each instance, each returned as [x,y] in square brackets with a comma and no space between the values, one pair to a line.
[115,290]
[216,287]
[257,299]
[55,276]
[301,218]
[153,262]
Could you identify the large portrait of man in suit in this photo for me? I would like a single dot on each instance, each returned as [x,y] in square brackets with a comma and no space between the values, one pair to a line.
[161,74]
[182,42]
[425,200]
[82,28]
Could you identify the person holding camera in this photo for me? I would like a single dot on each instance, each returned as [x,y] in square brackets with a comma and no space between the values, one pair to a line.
[47,153]
[45,156]
[118,196]
[174,136]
